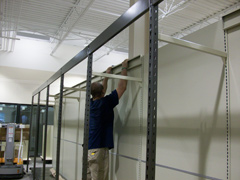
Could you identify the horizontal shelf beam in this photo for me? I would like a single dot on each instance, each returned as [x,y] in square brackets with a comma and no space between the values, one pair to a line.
[53,96]
[74,89]
[116,69]
[48,101]
[69,97]
[114,76]
[191,45]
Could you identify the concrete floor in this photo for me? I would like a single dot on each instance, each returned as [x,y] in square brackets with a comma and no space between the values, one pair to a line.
[29,175]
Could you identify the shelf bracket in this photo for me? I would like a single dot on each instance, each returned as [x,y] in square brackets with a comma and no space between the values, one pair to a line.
[191,45]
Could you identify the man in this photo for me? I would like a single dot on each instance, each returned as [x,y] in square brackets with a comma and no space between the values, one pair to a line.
[101,125]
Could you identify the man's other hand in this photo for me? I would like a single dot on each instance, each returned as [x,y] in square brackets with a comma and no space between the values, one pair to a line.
[109,70]
[125,63]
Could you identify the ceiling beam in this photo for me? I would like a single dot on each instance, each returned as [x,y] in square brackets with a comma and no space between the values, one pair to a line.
[200,24]
[71,26]
[126,19]
[5,37]
[14,33]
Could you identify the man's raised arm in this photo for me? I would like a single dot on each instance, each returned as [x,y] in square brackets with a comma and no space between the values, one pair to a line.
[105,80]
[122,84]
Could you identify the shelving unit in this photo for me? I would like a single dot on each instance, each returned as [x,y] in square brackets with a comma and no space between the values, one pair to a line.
[120,24]
[131,15]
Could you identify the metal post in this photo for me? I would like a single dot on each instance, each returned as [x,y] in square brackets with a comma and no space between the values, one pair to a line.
[152,92]
[45,133]
[30,134]
[86,120]
[36,137]
[59,127]
[228,133]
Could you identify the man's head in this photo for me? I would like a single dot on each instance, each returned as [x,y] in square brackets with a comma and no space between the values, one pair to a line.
[97,90]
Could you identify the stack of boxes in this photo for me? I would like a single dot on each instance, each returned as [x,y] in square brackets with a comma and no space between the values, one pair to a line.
[3,132]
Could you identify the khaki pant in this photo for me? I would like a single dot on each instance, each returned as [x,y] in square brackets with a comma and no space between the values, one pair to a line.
[98,164]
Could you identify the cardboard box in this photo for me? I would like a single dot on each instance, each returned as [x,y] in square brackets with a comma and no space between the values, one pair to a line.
[15,153]
[25,134]
[1,154]
[3,134]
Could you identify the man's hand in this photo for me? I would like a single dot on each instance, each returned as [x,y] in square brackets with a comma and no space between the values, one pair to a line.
[109,70]
[105,80]
[125,63]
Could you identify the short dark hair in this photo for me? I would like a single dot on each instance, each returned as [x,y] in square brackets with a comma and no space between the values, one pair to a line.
[96,89]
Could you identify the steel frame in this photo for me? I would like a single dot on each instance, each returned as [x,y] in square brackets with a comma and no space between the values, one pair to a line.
[30,134]
[36,135]
[152,93]
[59,127]
[130,16]
[45,134]
[87,117]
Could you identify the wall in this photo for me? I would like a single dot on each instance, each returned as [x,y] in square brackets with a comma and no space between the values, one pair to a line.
[17,84]
[191,135]
[71,136]
[30,65]
[191,120]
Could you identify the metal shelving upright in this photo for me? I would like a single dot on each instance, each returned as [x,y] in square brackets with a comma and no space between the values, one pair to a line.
[152,93]
[45,133]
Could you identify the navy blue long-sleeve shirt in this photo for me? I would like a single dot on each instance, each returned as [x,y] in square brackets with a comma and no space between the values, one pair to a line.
[101,121]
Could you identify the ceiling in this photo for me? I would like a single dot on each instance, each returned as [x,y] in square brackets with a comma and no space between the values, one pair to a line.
[78,22]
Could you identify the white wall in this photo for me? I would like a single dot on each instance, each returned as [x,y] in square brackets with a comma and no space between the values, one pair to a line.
[191,102]
[71,136]
[18,84]
[191,121]
[33,54]
[30,65]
